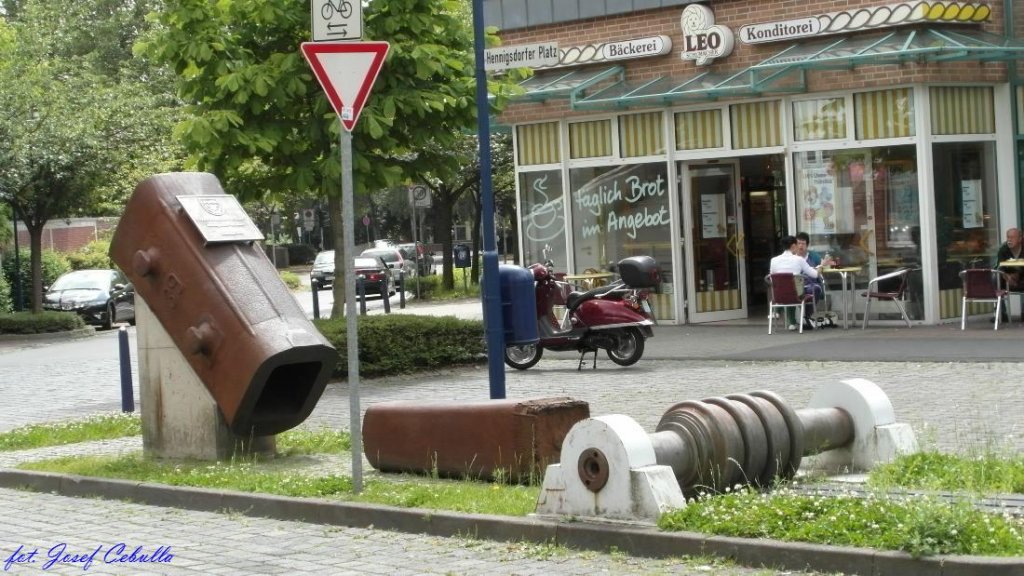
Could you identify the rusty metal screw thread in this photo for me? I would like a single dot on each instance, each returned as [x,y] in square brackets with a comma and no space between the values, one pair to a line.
[751,438]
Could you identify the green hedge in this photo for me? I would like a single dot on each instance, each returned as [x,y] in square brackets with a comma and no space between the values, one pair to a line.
[403,343]
[6,299]
[53,265]
[44,322]
[300,254]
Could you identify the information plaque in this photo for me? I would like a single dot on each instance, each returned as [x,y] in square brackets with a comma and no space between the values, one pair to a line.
[220,218]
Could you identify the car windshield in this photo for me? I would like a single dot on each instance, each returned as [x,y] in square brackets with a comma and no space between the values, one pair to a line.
[367,263]
[386,255]
[83,280]
[324,257]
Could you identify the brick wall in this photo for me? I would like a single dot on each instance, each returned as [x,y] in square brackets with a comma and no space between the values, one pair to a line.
[68,236]
[734,15]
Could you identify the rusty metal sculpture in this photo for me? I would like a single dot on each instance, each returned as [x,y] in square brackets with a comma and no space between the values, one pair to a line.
[189,250]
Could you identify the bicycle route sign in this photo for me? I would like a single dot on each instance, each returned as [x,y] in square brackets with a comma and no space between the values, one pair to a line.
[335,20]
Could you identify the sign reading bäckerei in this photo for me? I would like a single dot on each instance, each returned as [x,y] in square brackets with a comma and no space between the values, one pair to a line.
[636,48]
[522,56]
[868,18]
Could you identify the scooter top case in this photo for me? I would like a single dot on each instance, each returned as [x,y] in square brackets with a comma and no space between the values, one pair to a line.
[640,272]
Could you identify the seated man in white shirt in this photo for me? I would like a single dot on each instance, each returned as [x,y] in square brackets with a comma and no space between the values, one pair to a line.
[792,263]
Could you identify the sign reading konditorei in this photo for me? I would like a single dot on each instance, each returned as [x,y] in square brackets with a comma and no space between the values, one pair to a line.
[703,40]
[860,19]
[523,56]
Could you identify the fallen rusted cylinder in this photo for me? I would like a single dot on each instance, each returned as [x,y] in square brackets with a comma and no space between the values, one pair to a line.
[515,439]
[189,250]
[753,438]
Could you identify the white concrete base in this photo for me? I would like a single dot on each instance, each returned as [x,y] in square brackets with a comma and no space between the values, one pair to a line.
[637,487]
[878,438]
[180,419]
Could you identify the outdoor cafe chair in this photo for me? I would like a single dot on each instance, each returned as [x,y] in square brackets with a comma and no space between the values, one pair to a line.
[782,294]
[982,285]
[890,287]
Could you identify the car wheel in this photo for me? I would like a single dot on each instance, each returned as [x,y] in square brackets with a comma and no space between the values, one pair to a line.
[109,318]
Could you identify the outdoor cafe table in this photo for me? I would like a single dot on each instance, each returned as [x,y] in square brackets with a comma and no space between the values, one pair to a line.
[844,273]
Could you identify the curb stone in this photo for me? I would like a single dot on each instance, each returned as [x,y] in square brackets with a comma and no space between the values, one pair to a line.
[44,336]
[603,537]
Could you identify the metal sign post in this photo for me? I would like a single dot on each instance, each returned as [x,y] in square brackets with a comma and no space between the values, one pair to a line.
[347,71]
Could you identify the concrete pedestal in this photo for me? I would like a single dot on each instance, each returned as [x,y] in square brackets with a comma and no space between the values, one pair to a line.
[180,419]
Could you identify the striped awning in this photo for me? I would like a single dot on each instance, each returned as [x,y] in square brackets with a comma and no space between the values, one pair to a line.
[896,47]
[565,83]
[704,86]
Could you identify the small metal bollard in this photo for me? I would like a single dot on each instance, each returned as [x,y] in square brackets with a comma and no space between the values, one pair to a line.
[384,296]
[401,291]
[361,295]
[127,394]
[316,299]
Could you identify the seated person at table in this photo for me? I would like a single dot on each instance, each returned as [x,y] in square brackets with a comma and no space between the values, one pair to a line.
[814,286]
[1011,250]
[792,263]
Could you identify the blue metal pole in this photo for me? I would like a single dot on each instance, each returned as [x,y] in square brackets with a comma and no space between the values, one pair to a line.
[127,395]
[491,291]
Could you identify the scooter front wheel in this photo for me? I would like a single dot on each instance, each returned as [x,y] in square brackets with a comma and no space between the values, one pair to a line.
[629,349]
[523,357]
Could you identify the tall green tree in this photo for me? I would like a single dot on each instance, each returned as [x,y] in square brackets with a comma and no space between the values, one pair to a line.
[259,119]
[76,119]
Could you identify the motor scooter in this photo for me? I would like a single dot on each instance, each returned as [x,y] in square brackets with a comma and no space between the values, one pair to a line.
[616,318]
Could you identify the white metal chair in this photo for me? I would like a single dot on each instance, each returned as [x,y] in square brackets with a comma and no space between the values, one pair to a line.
[890,287]
[982,285]
[782,294]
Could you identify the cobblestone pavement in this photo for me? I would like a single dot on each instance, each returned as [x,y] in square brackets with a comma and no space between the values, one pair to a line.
[952,406]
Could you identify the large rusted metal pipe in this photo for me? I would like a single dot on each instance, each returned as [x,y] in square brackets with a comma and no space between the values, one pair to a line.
[480,440]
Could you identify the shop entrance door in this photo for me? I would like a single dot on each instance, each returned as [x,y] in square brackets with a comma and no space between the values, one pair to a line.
[716,283]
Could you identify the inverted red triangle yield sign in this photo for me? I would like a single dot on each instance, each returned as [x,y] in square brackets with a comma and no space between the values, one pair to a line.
[347,71]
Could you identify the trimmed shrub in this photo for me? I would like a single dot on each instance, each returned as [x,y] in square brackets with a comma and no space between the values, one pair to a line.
[6,299]
[95,254]
[44,322]
[290,279]
[53,265]
[403,343]
[300,254]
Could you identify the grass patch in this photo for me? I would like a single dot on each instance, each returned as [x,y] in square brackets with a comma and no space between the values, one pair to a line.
[99,427]
[917,525]
[247,475]
[988,472]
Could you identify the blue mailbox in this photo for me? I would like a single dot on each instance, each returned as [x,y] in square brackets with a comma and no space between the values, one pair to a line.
[518,305]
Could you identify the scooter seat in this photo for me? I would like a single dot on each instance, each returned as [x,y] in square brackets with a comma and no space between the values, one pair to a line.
[576,298]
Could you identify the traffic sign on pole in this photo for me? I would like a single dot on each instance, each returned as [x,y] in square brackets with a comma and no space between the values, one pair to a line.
[337,20]
[346,71]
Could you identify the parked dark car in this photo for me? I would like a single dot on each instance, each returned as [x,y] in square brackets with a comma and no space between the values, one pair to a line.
[322,274]
[394,259]
[100,297]
[417,251]
[377,277]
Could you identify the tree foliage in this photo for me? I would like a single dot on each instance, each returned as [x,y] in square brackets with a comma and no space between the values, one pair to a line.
[79,121]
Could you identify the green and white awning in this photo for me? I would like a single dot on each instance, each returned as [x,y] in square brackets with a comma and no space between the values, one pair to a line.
[897,47]
[701,87]
[565,83]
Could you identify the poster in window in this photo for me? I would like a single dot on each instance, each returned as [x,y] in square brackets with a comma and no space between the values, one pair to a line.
[902,205]
[712,215]
[817,202]
[971,202]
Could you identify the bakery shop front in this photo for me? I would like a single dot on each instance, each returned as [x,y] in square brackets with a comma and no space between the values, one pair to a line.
[701,133]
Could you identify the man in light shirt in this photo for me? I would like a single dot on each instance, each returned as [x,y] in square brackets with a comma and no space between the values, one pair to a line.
[789,262]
